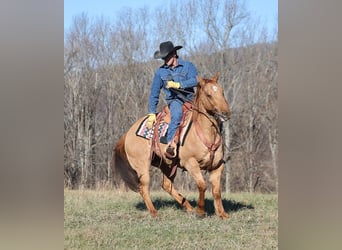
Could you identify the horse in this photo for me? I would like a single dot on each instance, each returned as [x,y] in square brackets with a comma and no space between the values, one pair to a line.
[132,154]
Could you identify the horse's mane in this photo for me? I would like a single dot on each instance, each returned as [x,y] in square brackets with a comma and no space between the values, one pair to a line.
[198,94]
[199,89]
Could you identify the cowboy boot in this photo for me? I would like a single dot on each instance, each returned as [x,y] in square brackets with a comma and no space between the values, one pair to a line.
[163,139]
[171,150]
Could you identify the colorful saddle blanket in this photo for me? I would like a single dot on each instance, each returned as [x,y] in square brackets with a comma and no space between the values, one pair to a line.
[147,133]
[163,119]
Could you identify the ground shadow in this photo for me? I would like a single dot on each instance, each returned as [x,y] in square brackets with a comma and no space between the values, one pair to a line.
[229,205]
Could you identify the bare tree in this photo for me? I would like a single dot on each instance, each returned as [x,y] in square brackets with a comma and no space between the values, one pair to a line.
[109,66]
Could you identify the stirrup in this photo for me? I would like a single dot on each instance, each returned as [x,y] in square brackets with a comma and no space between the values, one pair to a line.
[170,152]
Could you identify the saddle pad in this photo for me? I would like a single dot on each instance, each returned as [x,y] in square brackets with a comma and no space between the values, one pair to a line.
[147,133]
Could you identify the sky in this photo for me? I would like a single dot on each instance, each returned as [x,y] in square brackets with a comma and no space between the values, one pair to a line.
[267,10]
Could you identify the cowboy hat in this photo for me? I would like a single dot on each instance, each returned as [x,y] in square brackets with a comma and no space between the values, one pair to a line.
[165,49]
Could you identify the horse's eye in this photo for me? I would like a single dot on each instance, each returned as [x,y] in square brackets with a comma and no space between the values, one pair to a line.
[208,95]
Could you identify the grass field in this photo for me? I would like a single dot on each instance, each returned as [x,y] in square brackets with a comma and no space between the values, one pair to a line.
[120,220]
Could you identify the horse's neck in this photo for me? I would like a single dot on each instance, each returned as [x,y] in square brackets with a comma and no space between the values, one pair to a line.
[207,124]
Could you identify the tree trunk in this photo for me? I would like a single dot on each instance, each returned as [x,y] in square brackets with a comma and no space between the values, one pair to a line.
[274,150]
[227,155]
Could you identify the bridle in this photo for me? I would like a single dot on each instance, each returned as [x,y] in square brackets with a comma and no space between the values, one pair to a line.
[212,147]
[208,115]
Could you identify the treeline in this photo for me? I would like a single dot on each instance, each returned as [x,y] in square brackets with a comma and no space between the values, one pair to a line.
[108,70]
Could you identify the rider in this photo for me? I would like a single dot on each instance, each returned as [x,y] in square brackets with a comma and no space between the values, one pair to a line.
[174,73]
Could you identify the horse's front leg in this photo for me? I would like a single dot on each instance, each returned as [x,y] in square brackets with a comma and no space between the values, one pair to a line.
[215,180]
[193,168]
[168,187]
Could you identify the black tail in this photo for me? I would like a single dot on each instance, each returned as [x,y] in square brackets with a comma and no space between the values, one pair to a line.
[121,165]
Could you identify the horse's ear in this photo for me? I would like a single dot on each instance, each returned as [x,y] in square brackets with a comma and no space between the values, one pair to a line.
[200,81]
[216,77]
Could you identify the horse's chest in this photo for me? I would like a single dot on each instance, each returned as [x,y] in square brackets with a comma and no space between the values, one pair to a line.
[208,163]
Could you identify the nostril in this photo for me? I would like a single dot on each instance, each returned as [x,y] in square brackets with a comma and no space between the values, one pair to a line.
[226,114]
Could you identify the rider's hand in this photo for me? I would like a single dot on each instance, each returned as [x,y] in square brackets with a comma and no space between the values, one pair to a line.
[150,120]
[172,84]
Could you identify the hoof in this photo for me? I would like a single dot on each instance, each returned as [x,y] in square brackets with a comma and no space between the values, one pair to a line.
[224,216]
[200,213]
[189,210]
[153,214]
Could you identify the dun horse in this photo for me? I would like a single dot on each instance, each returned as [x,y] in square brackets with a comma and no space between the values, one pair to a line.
[202,149]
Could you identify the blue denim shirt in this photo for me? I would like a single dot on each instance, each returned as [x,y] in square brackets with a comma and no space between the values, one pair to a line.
[185,73]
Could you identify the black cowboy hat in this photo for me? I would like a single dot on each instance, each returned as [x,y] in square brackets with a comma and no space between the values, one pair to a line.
[165,49]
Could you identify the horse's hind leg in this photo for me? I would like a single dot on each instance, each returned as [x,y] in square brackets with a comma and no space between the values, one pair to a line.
[168,187]
[145,193]
[215,180]
[138,153]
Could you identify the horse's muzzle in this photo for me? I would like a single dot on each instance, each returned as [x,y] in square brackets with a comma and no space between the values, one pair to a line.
[224,116]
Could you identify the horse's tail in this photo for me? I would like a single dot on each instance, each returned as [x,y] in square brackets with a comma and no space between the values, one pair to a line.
[121,165]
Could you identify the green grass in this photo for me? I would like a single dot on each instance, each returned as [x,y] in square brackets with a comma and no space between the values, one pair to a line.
[120,220]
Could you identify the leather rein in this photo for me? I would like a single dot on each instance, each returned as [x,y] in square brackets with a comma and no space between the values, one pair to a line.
[212,147]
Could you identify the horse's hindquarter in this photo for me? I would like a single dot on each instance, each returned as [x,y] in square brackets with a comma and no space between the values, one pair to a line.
[137,148]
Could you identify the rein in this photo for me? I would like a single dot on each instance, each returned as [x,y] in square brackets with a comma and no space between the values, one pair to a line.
[180,92]
[212,147]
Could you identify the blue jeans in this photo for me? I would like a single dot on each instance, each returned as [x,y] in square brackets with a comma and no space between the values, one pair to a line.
[176,117]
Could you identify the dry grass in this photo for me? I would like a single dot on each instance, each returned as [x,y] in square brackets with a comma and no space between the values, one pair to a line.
[120,220]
